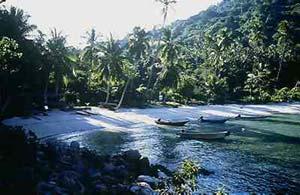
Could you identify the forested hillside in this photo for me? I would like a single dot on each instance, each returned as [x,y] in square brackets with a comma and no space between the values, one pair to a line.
[244,49]
[241,51]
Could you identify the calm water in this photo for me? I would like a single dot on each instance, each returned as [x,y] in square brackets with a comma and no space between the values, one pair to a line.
[260,156]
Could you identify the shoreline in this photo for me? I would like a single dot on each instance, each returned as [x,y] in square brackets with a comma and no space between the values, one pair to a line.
[61,123]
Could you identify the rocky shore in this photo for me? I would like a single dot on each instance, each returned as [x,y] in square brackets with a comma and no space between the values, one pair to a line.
[29,166]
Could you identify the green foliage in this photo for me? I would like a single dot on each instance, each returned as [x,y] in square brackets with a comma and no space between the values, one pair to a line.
[285,94]
[184,180]
[236,50]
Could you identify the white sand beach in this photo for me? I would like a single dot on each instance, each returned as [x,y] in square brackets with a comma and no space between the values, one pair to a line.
[59,122]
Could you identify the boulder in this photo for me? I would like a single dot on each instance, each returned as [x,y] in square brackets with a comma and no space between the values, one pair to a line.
[100,188]
[70,181]
[162,175]
[148,179]
[47,188]
[109,168]
[132,155]
[142,188]
[144,165]
[96,175]
[75,145]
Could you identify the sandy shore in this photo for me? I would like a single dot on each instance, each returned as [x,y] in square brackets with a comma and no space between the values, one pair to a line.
[59,122]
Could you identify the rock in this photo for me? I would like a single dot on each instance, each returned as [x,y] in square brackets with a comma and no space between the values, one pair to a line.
[109,180]
[96,175]
[100,188]
[148,179]
[132,155]
[70,181]
[121,172]
[162,175]
[109,168]
[80,167]
[142,188]
[144,165]
[119,189]
[75,145]
[45,188]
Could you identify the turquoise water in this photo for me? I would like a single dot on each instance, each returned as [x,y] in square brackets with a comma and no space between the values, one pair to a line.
[259,156]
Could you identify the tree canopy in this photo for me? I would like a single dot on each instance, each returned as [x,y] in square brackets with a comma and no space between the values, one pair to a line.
[238,50]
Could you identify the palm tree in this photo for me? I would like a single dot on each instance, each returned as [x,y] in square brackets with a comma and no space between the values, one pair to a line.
[57,49]
[110,65]
[15,24]
[138,43]
[165,8]
[129,73]
[170,58]
[90,51]
[166,4]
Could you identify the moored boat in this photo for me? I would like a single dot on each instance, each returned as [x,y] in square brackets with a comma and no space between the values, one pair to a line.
[203,120]
[204,136]
[250,117]
[171,123]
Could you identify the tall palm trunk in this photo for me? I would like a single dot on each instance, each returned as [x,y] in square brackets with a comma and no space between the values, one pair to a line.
[279,71]
[56,87]
[46,93]
[107,93]
[123,94]
[5,105]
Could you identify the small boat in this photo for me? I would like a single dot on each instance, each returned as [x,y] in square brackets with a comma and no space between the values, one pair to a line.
[204,136]
[171,123]
[250,117]
[202,120]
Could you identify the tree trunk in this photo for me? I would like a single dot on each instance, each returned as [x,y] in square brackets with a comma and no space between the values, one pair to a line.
[5,105]
[123,94]
[56,88]
[107,94]
[279,71]
[46,93]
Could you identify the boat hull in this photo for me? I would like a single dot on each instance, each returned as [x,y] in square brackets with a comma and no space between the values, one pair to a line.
[213,121]
[170,123]
[204,136]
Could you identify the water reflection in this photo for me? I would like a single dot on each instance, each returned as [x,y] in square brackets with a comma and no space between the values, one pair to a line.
[260,156]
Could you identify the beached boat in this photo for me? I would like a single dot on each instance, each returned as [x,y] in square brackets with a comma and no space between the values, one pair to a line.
[171,123]
[203,120]
[204,136]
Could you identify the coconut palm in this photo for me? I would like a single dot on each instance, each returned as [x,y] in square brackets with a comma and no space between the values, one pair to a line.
[56,46]
[110,65]
[138,43]
[90,51]
[165,8]
[166,4]
[129,72]
[170,57]
[15,24]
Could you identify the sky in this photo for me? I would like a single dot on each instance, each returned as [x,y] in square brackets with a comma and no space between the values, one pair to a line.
[119,17]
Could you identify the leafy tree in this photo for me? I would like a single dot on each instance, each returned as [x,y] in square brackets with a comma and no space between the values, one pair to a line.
[9,69]
[283,47]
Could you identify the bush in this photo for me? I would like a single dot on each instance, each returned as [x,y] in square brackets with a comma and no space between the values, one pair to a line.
[184,180]
[18,152]
[281,95]
[294,94]
[285,94]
